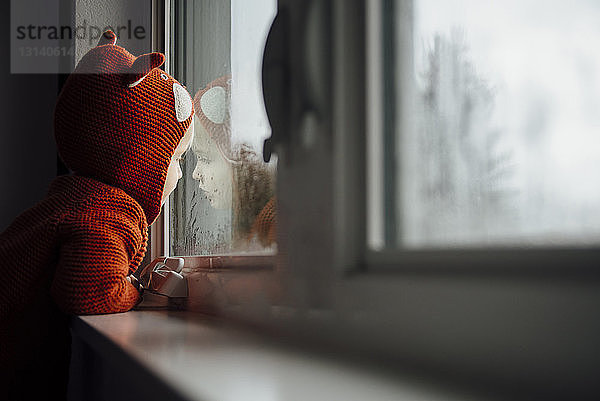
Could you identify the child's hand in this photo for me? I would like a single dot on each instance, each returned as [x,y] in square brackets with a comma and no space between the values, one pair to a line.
[162,276]
[134,281]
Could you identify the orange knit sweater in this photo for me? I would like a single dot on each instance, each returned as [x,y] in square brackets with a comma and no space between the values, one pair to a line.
[73,251]
[265,224]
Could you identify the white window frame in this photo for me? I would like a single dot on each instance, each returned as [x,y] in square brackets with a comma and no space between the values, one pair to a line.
[164,20]
[492,316]
[465,310]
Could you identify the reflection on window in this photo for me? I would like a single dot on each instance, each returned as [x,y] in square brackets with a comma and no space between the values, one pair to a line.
[225,201]
[499,140]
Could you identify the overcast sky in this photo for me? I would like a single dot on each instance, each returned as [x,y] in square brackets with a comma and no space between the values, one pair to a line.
[250,24]
[543,59]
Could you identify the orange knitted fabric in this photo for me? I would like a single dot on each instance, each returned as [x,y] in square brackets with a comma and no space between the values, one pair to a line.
[117,134]
[219,131]
[121,135]
[265,225]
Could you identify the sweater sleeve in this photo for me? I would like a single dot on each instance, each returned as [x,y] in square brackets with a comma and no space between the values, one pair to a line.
[93,264]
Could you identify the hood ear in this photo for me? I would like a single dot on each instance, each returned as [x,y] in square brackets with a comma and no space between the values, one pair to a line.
[107,38]
[143,65]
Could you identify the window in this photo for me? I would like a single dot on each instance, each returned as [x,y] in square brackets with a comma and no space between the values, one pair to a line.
[492,138]
[407,274]
[225,201]
[407,237]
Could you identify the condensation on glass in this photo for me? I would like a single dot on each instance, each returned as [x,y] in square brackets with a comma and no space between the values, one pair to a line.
[224,202]
[497,125]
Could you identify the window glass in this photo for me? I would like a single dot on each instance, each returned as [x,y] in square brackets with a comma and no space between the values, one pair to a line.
[225,201]
[496,131]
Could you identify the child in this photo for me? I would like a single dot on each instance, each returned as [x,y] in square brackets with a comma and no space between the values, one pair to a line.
[121,125]
[245,182]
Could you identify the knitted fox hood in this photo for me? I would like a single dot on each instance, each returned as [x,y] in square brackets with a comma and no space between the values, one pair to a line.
[119,119]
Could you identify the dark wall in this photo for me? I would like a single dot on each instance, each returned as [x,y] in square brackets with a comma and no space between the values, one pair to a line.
[27,149]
